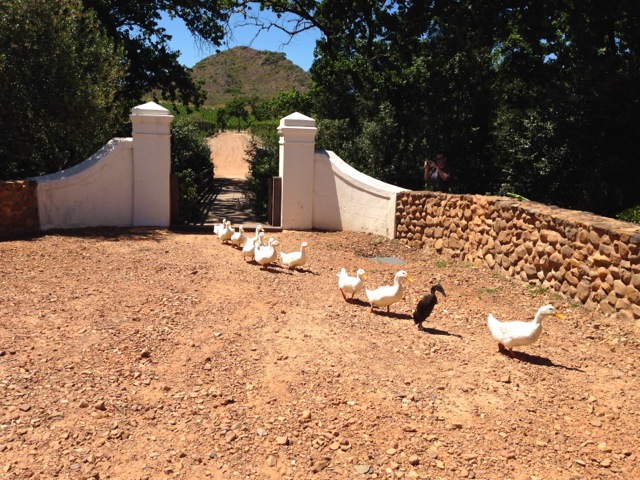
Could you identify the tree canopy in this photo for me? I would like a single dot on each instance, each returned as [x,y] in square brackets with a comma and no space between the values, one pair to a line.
[539,99]
[59,76]
[528,98]
[71,70]
[153,66]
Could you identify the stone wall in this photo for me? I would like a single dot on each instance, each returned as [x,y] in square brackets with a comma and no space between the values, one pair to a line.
[587,258]
[18,209]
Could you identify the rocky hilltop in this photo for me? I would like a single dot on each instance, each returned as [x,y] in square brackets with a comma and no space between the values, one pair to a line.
[245,72]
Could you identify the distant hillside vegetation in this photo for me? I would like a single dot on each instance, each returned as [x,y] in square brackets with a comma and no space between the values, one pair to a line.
[244,72]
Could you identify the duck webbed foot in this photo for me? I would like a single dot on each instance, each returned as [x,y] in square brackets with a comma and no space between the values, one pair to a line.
[508,351]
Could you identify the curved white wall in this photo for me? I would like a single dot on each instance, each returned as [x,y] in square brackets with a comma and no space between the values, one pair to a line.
[320,190]
[96,192]
[126,183]
[346,199]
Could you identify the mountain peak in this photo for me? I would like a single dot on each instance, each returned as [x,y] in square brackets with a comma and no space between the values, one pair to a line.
[245,72]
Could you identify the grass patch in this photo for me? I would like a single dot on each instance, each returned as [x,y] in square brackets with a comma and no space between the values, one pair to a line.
[537,289]
[378,239]
[487,290]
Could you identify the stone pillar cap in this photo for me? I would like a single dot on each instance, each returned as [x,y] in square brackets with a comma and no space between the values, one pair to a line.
[297,119]
[149,109]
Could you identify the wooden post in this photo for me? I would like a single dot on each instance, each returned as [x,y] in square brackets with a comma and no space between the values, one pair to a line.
[276,214]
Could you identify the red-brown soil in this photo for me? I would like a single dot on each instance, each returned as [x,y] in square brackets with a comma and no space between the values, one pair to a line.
[144,354]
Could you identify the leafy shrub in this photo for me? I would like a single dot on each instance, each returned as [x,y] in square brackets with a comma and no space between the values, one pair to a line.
[190,162]
[204,118]
[262,155]
[60,76]
[630,215]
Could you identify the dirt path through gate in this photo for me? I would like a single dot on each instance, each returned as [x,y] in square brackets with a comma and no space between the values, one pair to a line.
[230,169]
[228,154]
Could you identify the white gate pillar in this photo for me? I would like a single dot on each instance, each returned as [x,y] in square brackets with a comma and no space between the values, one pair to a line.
[151,131]
[296,167]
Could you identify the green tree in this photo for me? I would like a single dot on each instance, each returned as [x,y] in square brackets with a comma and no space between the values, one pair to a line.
[400,76]
[191,163]
[153,66]
[569,98]
[262,156]
[526,144]
[405,76]
[282,104]
[531,97]
[597,50]
[59,78]
[237,109]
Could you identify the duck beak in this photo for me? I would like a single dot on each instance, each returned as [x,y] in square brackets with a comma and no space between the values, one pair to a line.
[559,315]
[410,279]
[364,277]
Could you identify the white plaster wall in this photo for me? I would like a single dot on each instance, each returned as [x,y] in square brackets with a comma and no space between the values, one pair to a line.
[96,192]
[126,183]
[346,199]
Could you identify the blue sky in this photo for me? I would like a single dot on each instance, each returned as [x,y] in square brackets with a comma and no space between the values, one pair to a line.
[298,51]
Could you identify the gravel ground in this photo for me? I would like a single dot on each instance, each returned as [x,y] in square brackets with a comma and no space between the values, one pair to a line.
[147,354]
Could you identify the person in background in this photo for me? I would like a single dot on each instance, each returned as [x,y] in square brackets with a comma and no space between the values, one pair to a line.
[436,173]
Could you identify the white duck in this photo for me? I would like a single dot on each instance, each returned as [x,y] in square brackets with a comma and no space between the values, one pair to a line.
[239,238]
[266,254]
[387,295]
[225,233]
[218,226]
[348,284]
[295,259]
[250,244]
[517,333]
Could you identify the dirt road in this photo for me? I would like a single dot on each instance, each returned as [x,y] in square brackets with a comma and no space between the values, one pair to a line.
[228,154]
[140,354]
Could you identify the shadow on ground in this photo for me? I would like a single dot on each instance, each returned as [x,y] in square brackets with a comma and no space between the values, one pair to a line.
[537,360]
[226,200]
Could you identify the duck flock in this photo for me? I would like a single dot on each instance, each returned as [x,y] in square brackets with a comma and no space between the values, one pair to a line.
[255,248]
[508,334]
